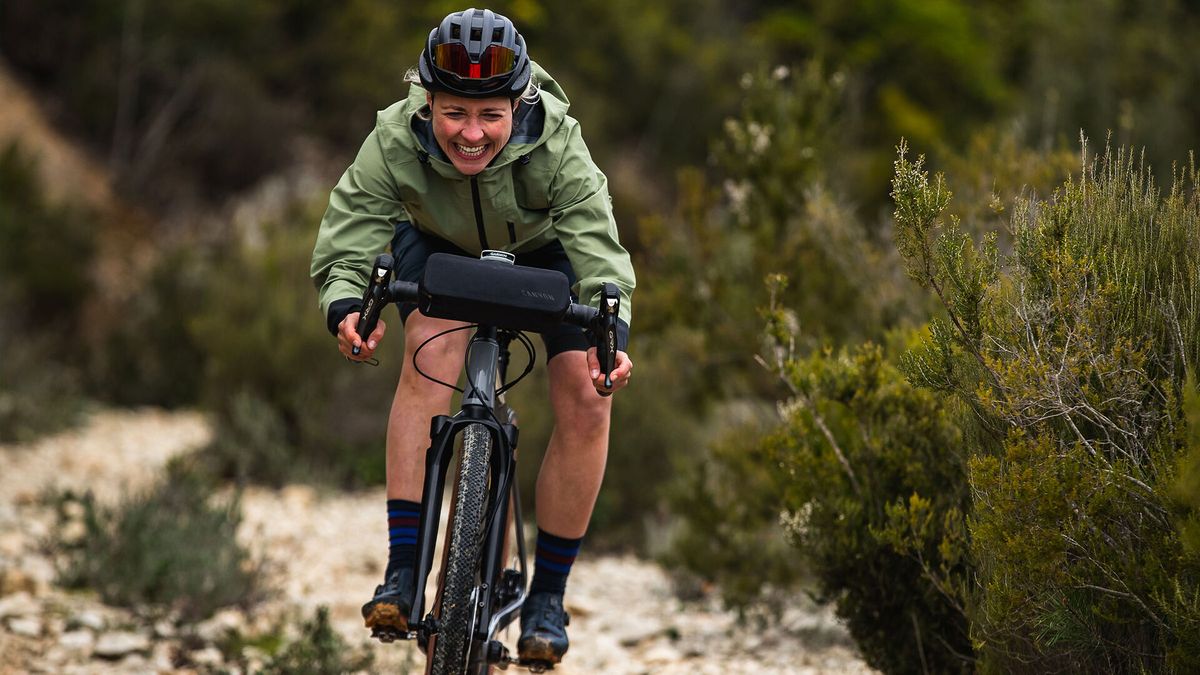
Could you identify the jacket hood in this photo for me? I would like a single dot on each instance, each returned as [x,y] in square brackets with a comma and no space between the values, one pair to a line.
[532,125]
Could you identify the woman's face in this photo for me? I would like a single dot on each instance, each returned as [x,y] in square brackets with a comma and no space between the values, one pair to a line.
[471,131]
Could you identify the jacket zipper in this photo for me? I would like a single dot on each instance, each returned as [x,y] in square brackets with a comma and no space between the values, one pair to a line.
[512,233]
[483,242]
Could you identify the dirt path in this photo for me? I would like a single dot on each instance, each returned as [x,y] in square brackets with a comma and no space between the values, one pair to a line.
[326,549]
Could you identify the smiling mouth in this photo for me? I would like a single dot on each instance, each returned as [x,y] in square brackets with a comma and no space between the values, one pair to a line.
[470,151]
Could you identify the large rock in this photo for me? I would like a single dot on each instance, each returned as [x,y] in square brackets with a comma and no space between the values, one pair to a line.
[209,656]
[88,618]
[80,640]
[118,644]
[26,626]
[18,605]
[221,625]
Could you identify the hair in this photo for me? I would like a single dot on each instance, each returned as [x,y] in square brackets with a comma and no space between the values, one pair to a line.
[531,95]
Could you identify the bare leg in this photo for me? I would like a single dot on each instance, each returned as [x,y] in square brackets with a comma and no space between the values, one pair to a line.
[573,467]
[417,400]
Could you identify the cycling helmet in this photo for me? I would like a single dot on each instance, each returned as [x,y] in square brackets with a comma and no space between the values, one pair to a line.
[475,53]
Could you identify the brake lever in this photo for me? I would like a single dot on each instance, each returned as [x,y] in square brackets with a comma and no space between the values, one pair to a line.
[606,332]
[374,298]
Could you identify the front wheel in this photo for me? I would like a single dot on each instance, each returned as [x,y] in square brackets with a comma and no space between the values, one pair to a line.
[457,622]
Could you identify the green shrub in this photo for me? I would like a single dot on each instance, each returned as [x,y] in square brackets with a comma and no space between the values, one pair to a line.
[1187,488]
[875,497]
[150,357]
[170,549]
[318,650]
[732,536]
[46,256]
[1071,352]
[288,406]
[37,395]
[46,253]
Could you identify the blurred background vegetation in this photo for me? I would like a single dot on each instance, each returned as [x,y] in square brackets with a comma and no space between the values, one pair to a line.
[851,368]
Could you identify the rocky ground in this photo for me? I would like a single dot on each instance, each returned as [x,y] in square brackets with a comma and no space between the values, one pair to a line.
[325,549]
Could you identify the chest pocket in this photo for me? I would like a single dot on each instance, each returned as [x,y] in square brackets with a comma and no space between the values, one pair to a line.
[531,195]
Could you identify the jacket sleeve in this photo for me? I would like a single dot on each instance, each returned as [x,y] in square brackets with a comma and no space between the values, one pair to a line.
[583,221]
[357,226]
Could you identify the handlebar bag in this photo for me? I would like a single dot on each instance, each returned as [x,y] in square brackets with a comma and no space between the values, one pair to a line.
[493,292]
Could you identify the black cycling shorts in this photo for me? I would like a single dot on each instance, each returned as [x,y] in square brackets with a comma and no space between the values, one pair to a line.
[411,248]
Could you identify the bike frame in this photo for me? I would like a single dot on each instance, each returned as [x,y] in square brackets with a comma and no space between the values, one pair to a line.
[498,593]
[487,361]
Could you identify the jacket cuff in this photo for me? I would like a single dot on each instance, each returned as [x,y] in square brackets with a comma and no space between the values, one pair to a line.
[338,310]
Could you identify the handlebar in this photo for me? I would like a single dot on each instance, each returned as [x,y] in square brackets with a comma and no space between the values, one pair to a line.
[600,322]
[407,291]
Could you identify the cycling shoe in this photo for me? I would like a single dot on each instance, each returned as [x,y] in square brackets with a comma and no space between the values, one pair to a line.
[387,613]
[543,628]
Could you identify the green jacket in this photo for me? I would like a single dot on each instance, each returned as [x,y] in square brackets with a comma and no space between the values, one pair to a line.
[542,186]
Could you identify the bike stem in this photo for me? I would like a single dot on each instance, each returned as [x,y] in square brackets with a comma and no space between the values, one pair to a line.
[482,356]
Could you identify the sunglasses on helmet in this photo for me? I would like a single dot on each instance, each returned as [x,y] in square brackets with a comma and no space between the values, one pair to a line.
[453,58]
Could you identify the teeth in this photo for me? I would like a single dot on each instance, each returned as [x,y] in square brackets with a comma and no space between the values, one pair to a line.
[473,151]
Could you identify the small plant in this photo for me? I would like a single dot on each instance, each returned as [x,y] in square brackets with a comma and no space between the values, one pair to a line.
[171,550]
[318,650]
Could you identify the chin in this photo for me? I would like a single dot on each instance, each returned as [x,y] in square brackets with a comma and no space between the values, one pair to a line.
[472,167]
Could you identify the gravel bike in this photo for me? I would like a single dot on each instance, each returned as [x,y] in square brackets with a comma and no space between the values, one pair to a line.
[479,595]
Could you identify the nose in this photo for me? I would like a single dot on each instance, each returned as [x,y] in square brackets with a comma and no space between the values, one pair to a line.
[472,133]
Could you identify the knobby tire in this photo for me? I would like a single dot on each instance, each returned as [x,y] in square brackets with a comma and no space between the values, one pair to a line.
[456,625]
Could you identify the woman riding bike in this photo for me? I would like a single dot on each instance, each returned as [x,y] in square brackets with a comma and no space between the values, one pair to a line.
[480,155]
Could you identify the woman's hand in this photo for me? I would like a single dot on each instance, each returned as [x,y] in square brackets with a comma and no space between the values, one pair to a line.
[620,373]
[348,339]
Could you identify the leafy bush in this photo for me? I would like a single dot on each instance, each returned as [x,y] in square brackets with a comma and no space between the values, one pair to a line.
[37,396]
[875,496]
[171,550]
[1010,487]
[149,356]
[1187,488]
[288,406]
[1071,352]
[732,535]
[46,256]
[46,252]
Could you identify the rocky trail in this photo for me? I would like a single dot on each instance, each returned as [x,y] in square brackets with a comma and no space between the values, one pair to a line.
[324,549]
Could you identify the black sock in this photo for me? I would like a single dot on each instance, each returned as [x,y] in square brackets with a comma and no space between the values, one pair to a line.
[555,555]
[402,534]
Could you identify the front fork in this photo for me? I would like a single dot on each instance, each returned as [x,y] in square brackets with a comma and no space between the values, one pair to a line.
[478,404]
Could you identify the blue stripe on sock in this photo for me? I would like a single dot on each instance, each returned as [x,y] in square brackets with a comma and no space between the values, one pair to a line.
[403,530]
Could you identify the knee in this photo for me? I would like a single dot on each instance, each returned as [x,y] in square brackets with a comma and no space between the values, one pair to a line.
[439,356]
[579,408]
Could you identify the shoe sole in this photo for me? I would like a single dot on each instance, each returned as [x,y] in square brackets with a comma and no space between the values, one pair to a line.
[539,649]
[385,614]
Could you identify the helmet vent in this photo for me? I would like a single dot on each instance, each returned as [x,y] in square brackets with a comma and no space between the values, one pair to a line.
[476,34]
[497,34]
[455,32]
